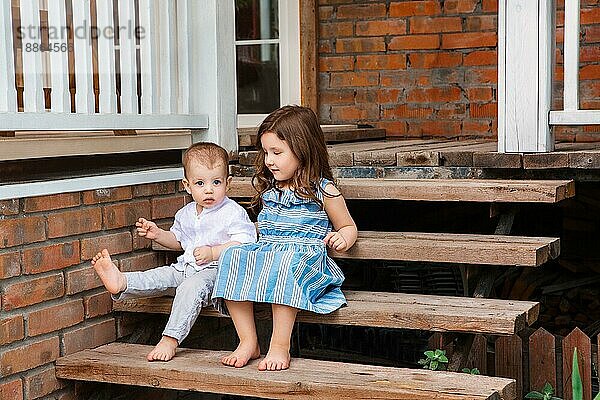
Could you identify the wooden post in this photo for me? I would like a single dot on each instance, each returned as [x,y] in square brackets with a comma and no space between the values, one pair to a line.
[525,71]
[213,69]
[542,360]
[509,360]
[577,339]
[308,53]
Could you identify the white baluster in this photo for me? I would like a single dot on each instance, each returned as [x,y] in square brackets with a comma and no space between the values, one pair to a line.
[8,92]
[128,64]
[106,56]
[571,55]
[151,79]
[33,95]
[168,57]
[84,92]
[59,61]
[184,100]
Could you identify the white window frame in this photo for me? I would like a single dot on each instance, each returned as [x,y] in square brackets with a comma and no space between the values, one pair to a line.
[289,60]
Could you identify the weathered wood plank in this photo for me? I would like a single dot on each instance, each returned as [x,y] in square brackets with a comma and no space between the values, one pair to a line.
[476,190]
[542,360]
[201,370]
[577,339]
[497,160]
[509,360]
[545,160]
[395,310]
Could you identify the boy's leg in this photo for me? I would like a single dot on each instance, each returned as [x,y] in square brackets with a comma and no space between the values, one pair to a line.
[114,280]
[152,282]
[191,295]
[278,357]
[242,314]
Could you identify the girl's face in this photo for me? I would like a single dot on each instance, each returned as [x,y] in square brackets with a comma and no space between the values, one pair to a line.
[279,158]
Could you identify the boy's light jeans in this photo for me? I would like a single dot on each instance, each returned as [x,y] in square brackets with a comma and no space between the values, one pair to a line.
[192,292]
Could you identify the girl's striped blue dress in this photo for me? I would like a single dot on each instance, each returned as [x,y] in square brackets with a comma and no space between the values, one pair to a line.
[289,264]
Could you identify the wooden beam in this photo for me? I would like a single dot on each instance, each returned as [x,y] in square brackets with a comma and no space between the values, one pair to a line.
[308,54]
[201,370]
[394,310]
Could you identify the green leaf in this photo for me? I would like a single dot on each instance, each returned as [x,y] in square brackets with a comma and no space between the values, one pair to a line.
[423,361]
[430,354]
[475,371]
[548,389]
[534,395]
[466,370]
[576,378]
[597,397]
[443,359]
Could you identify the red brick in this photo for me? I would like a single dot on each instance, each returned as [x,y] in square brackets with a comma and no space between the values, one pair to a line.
[490,6]
[54,202]
[41,383]
[116,243]
[396,79]
[89,336]
[82,279]
[414,42]
[54,318]
[11,390]
[482,76]
[403,111]
[354,79]
[325,13]
[411,8]
[360,45]
[489,110]
[366,112]
[381,28]
[15,232]
[48,258]
[28,356]
[9,207]
[97,304]
[482,94]
[381,62]
[75,222]
[435,25]
[33,291]
[476,128]
[589,53]
[434,128]
[11,329]
[336,96]
[154,189]
[125,214]
[361,11]
[327,64]
[393,128]
[388,96]
[469,40]
[166,207]
[590,16]
[434,95]
[482,23]
[481,57]
[434,60]
[451,111]
[10,265]
[139,242]
[139,262]
[589,72]
[336,30]
[107,195]
[459,6]
[592,34]
[325,47]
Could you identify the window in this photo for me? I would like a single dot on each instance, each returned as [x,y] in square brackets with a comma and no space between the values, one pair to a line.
[267,57]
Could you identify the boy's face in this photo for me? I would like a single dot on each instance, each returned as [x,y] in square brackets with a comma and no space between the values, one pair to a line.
[208,186]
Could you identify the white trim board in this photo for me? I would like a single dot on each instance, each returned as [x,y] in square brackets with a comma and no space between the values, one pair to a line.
[44,188]
[575,117]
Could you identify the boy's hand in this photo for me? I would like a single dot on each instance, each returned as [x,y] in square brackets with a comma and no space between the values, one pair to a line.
[147,229]
[203,255]
[336,241]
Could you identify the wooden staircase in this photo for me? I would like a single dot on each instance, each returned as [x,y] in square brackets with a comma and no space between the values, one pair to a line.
[200,370]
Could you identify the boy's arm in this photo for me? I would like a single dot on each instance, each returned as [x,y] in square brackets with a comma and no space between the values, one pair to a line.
[168,240]
[150,230]
[216,251]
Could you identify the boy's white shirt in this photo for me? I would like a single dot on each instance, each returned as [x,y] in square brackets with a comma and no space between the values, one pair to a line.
[225,222]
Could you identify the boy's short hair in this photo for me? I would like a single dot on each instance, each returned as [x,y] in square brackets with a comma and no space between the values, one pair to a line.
[210,155]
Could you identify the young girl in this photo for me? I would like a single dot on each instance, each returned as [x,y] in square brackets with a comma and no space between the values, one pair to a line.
[289,266]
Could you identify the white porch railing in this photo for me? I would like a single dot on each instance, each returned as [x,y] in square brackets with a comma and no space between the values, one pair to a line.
[526,48]
[170,66]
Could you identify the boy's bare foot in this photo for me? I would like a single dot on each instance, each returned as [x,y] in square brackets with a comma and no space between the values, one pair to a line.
[113,279]
[164,350]
[277,359]
[244,353]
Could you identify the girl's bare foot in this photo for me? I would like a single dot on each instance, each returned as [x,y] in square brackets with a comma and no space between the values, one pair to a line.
[113,279]
[164,350]
[244,353]
[277,359]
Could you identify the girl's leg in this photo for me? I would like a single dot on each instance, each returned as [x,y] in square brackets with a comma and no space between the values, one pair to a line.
[242,314]
[278,357]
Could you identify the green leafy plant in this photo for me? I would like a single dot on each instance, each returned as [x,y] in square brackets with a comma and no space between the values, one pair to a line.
[576,382]
[546,393]
[435,360]
[473,371]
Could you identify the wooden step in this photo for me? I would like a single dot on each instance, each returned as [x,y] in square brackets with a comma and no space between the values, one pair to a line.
[475,190]
[520,251]
[395,310]
[201,370]
[333,134]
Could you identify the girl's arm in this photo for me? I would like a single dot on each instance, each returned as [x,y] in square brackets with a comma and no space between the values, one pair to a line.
[345,231]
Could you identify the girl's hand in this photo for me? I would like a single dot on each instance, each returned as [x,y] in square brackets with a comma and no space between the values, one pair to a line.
[336,241]
[147,229]
[203,255]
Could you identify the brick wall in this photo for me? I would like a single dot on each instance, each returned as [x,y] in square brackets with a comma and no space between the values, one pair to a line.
[51,302]
[429,68]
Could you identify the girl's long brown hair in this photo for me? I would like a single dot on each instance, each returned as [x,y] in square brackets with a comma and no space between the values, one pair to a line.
[299,127]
